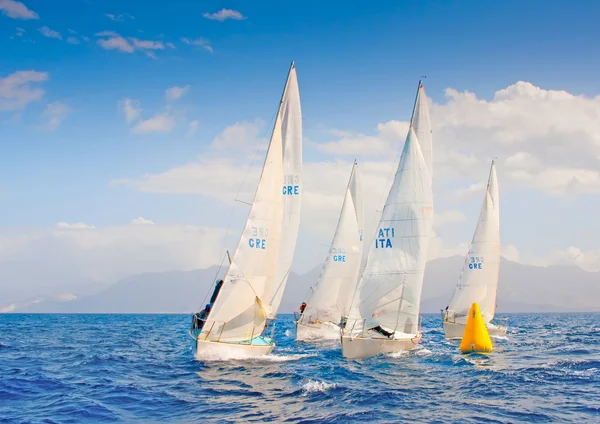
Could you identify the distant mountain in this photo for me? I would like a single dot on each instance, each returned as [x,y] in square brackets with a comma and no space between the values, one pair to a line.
[523,288]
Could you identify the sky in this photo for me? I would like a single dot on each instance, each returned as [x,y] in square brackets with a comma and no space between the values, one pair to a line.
[128,128]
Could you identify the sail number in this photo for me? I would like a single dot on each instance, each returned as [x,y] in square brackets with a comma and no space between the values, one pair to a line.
[259,238]
[476,262]
[339,254]
[291,185]
[384,238]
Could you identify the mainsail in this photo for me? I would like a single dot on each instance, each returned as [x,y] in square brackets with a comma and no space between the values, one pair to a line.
[333,292]
[478,282]
[389,292]
[246,299]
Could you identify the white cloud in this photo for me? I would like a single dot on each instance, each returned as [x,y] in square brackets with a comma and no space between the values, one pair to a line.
[47,32]
[79,253]
[170,45]
[74,226]
[175,93]
[16,90]
[114,41]
[192,128]
[158,123]
[55,112]
[118,18]
[17,10]
[142,221]
[131,109]
[389,139]
[198,42]
[590,260]
[73,40]
[241,135]
[224,14]
[147,44]
[20,32]
[448,217]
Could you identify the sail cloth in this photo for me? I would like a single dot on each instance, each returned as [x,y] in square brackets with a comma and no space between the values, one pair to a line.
[269,236]
[422,124]
[291,134]
[478,282]
[333,292]
[389,292]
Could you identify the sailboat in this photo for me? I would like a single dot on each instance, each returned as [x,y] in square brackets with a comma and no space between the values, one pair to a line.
[384,316]
[244,304]
[478,282]
[329,300]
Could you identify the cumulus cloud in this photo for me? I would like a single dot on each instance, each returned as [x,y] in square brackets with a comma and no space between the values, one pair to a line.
[17,10]
[20,32]
[73,40]
[142,221]
[448,217]
[55,113]
[158,123]
[175,93]
[224,14]
[199,43]
[47,32]
[17,90]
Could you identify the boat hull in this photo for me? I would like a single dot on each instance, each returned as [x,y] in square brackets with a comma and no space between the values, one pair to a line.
[315,332]
[222,350]
[455,331]
[364,347]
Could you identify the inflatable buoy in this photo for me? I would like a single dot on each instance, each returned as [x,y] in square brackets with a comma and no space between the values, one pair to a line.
[476,338]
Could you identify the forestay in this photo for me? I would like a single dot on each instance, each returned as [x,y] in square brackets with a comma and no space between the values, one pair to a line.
[291,134]
[478,282]
[389,292]
[269,236]
[333,292]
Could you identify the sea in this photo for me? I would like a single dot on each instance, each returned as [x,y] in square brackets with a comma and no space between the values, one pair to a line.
[141,368]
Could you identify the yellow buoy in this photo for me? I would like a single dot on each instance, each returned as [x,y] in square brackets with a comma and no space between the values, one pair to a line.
[476,338]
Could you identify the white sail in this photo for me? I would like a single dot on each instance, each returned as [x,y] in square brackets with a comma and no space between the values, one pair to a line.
[479,278]
[269,237]
[333,292]
[389,292]
[422,124]
[291,134]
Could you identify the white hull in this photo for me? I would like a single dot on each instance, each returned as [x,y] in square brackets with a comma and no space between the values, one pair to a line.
[221,350]
[313,332]
[363,347]
[456,331]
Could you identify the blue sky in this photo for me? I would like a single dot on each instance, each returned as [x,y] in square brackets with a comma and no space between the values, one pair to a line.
[358,65]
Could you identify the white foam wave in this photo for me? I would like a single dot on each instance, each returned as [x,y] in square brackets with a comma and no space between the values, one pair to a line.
[317,386]
[399,354]
[288,333]
[230,356]
[424,352]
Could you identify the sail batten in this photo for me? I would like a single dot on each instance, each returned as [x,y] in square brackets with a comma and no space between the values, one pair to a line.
[478,282]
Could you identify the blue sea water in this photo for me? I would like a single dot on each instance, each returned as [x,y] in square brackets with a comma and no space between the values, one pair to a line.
[140,368]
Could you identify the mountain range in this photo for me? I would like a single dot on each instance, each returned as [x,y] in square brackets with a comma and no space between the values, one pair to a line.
[522,288]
